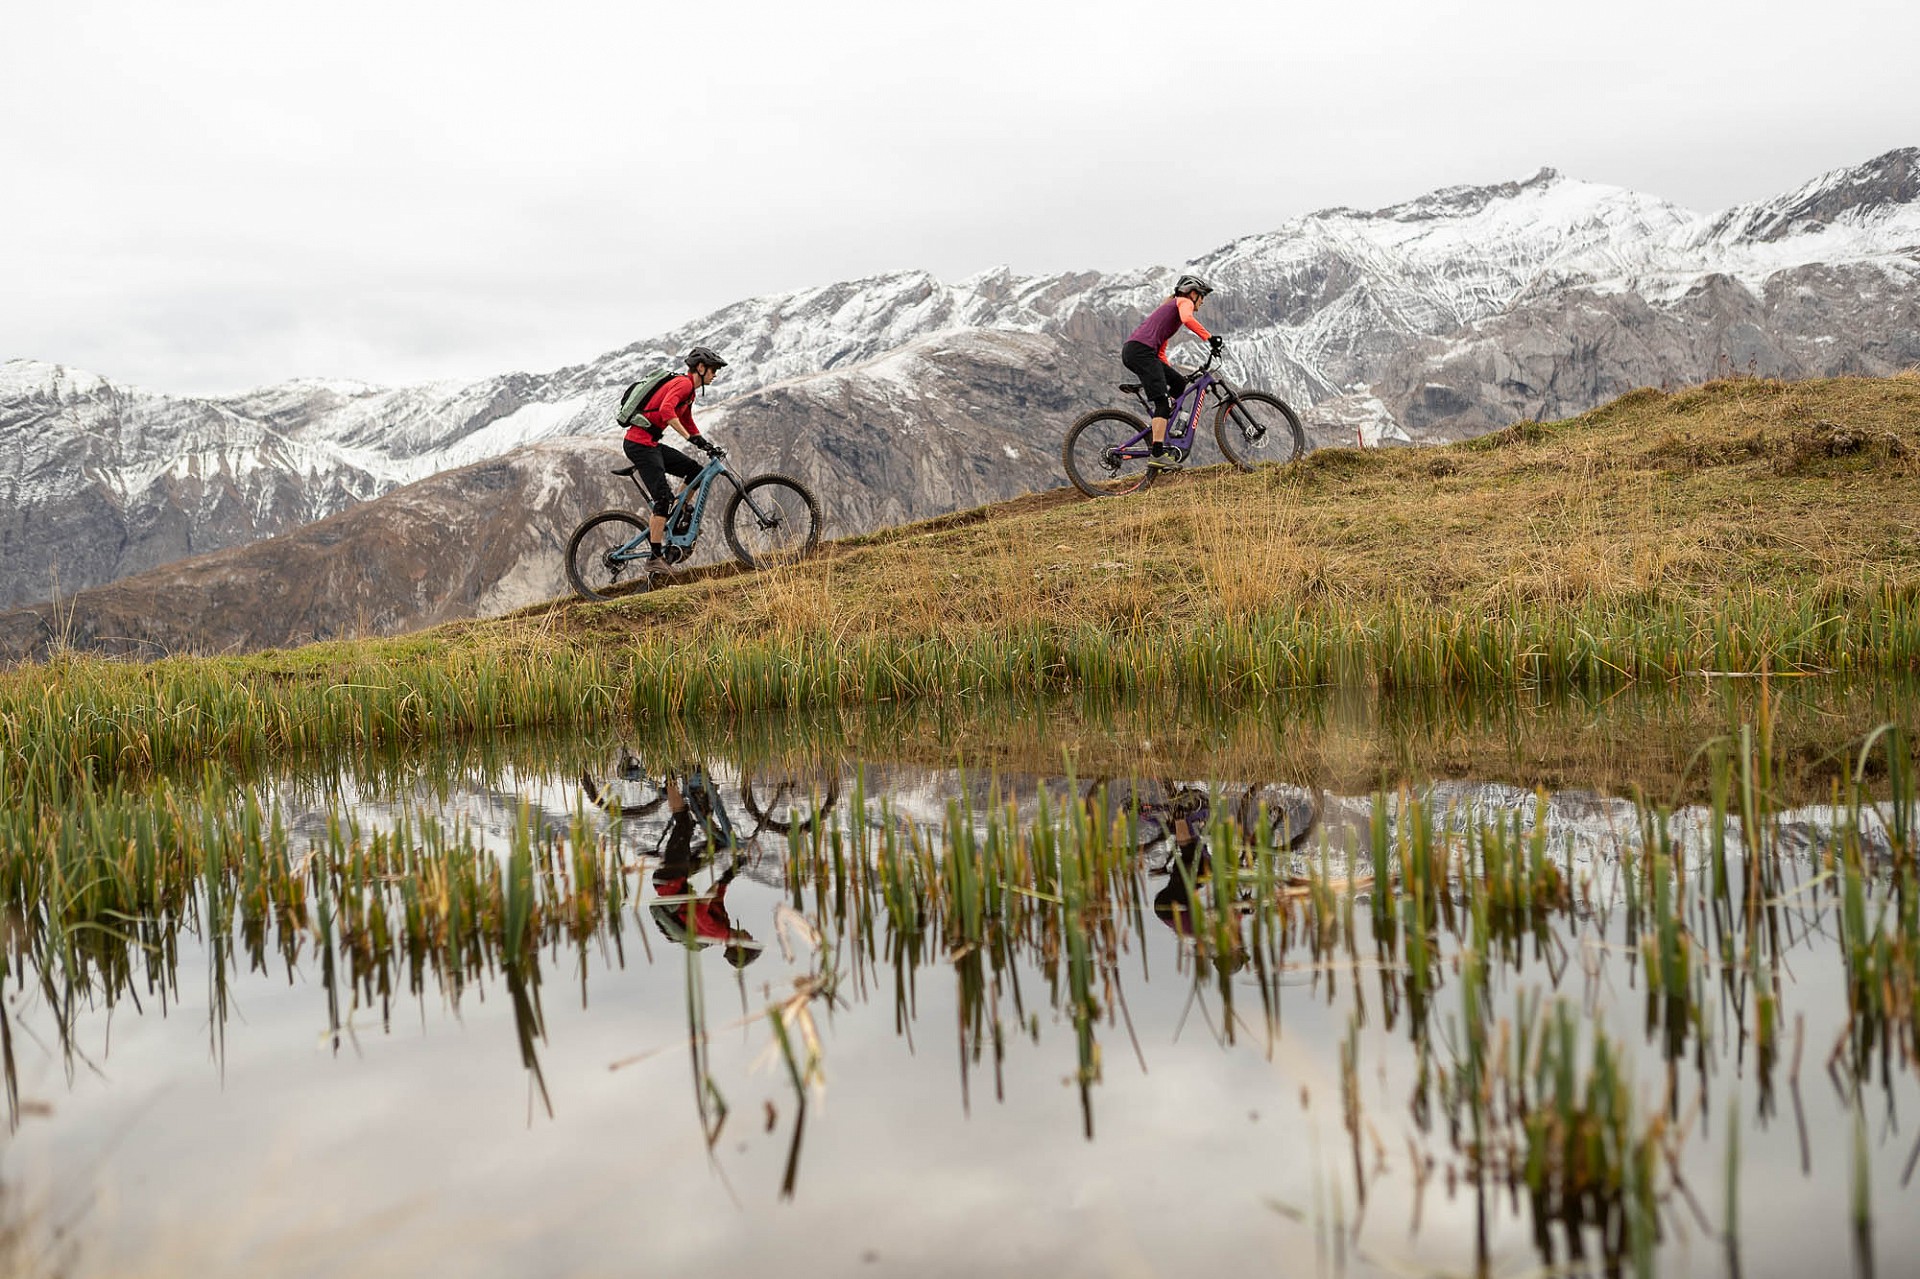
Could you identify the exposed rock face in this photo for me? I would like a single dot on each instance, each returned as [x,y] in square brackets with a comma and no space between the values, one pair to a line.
[1564,354]
[927,429]
[1448,315]
[467,542]
[948,422]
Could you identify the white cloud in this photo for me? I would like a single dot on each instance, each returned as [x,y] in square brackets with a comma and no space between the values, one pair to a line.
[206,195]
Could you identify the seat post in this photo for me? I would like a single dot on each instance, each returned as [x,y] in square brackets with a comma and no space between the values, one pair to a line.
[632,473]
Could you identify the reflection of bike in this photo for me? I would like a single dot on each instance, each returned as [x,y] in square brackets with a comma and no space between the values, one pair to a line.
[1158,808]
[1106,451]
[630,792]
[1292,813]
[778,802]
[1178,812]
[770,519]
[784,802]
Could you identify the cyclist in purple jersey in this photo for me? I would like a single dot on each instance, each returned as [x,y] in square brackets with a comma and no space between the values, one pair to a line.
[1145,355]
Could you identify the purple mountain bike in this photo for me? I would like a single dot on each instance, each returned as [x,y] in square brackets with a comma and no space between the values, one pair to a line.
[1106,451]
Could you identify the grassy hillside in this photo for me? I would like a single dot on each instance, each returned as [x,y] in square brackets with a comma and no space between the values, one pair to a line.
[1735,527]
[1786,490]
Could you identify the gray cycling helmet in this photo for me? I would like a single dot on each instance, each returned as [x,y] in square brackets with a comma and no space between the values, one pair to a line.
[1192,284]
[705,355]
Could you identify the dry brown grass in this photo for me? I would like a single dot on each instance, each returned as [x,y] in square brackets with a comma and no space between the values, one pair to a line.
[1743,483]
[786,600]
[1751,527]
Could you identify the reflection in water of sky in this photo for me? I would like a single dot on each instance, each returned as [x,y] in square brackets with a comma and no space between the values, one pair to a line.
[1222,1137]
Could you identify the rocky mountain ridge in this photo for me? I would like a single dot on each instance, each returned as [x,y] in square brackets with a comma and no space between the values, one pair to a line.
[1440,317]
[489,537]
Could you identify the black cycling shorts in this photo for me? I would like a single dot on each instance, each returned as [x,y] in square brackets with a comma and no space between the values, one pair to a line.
[653,463]
[1162,382]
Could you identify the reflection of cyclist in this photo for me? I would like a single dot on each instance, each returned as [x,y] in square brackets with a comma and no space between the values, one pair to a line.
[670,404]
[1177,905]
[1189,864]
[1145,355]
[690,918]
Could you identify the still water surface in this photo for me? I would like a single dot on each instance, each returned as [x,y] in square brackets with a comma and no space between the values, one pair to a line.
[957,1102]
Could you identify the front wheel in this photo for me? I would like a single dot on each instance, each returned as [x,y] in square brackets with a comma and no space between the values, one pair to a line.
[604,558]
[779,525]
[1257,427]
[1106,454]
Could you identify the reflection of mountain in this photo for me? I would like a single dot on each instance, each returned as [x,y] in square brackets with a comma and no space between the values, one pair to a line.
[1464,309]
[958,1034]
[916,805]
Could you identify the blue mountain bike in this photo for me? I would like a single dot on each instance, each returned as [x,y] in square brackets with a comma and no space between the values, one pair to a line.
[770,519]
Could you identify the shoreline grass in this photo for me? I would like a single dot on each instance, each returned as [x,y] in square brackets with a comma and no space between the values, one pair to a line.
[1742,527]
[93,718]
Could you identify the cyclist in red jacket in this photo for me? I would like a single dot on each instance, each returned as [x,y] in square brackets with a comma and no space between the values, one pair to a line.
[1145,355]
[696,919]
[670,405]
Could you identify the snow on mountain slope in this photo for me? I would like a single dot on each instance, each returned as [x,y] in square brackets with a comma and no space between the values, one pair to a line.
[1438,317]
[914,433]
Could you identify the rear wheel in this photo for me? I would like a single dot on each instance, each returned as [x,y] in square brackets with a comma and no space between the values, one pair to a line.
[1106,454]
[784,802]
[595,565]
[1257,427]
[781,525]
[1292,813]
[628,791]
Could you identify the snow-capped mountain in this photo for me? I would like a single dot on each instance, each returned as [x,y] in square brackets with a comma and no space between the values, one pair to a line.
[1457,312]
[489,537]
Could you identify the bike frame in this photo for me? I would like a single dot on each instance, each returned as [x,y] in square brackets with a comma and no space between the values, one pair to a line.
[694,494]
[1185,422]
[703,799]
[705,802]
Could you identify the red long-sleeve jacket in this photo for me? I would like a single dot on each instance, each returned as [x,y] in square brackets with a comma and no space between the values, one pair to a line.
[673,400]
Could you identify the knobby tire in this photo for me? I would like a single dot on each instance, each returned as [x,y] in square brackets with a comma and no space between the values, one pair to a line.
[1280,437]
[795,535]
[1088,440]
[802,807]
[588,572]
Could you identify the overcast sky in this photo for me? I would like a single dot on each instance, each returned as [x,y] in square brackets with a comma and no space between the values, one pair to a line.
[205,195]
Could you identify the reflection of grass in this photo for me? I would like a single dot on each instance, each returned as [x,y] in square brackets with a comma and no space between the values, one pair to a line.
[33,1242]
[99,889]
[1526,1096]
[89,722]
[1646,741]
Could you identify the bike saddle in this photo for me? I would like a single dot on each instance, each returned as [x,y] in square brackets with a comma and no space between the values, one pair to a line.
[626,470]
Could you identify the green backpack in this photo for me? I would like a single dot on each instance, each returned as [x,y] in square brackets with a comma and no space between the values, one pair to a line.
[635,397]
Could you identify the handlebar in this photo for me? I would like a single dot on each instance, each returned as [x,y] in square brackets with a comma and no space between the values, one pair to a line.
[1206,365]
